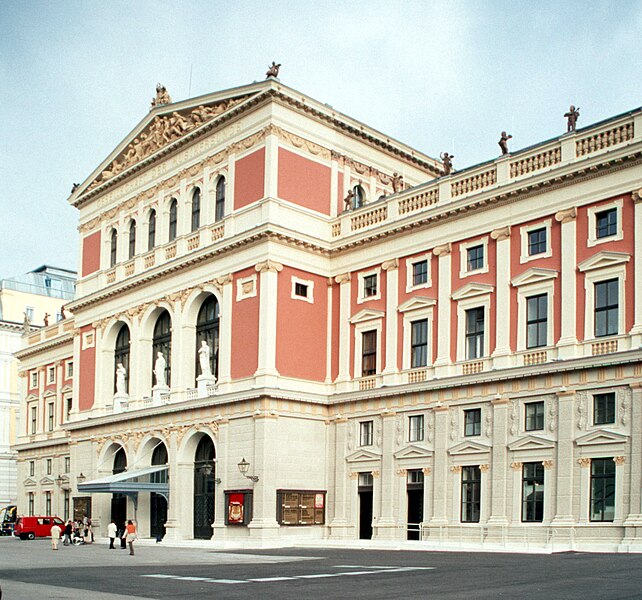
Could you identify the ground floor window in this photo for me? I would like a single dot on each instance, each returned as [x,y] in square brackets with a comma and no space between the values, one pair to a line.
[602,489]
[47,503]
[31,504]
[300,507]
[533,492]
[470,494]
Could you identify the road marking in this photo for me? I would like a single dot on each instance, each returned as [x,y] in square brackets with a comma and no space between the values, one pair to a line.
[366,570]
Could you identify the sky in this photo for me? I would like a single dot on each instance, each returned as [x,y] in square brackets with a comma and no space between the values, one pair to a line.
[76,77]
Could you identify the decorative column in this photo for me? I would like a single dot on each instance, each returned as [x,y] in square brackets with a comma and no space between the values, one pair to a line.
[633,521]
[224,284]
[564,462]
[339,522]
[499,461]
[392,296]
[344,331]
[502,356]
[221,474]
[266,372]
[172,525]
[441,477]
[443,363]
[636,330]
[386,523]
[568,338]
[265,466]
[329,346]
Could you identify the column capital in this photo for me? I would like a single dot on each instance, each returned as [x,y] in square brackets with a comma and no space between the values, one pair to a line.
[564,393]
[503,233]
[442,250]
[637,196]
[223,280]
[566,216]
[499,400]
[343,278]
[584,462]
[390,265]
[269,266]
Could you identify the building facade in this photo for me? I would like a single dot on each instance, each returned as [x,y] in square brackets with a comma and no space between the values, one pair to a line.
[26,302]
[290,326]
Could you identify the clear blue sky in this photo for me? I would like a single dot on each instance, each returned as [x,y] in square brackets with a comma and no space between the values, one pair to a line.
[77,76]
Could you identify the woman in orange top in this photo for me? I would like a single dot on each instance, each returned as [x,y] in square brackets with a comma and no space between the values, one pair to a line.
[131,536]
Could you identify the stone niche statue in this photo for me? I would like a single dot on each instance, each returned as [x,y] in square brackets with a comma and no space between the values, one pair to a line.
[160,367]
[121,380]
[204,356]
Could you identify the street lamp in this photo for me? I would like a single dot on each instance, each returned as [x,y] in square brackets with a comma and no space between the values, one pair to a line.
[59,480]
[80,478]
[243,468]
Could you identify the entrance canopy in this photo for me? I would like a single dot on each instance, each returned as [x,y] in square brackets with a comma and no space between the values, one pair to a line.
[150,479]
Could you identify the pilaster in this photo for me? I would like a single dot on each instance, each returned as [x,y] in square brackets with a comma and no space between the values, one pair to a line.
[440,466]
[339,522]
[269,271]
[344,330]
[443,365]
[499,470]
[225,342]
[391,267]
[502,356]
[564,462]
[636,330]
[271,165]
[568,338]
[386,524]
[634,518]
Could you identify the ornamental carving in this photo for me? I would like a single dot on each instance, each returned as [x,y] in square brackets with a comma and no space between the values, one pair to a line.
[488,422]
[547,464]
[516,466]
[402,472]
[566,216]
[552,415]
[430,419]
[398,431]
[512,417]
[353,475]
[455,469]
[343,278]
[426,470]
[581,410]
[584,462]
[161,131]
[443,250]
[390,265]
[375,474]
[619,460]
[270,266]
[302,143]
[637,196]
[484,468]
[624,406]
[453,424]
[501,234]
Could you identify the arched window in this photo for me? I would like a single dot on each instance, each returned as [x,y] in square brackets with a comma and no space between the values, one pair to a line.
[113,249]
[132,239]
[120,461]
[220,199]
[159,455]
[121,353]
[163,343]
[204,488]
[151,231]
[207,326]
[158,503]
[359,197]
[196,209]
[173,219]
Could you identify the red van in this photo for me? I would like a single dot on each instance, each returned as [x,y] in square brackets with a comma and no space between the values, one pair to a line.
[29,528]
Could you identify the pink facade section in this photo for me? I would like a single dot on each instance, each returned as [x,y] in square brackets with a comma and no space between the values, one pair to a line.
[249,178]
[90,254]
[245,329]
[86,370]
[304,182]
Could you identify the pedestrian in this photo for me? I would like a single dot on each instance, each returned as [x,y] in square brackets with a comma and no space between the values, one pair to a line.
[111,532]
[55,536]
[122,534]
[68,531]
[131,536]
[90,533]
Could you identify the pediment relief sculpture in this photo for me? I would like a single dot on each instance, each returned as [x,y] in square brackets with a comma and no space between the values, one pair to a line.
[162,130]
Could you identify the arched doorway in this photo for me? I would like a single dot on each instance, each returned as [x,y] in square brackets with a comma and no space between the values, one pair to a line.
[119,501]
[204,489]
[158,503]
[207,328]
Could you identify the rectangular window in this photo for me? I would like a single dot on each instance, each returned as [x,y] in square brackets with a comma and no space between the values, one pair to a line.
[50,416]
[534,417]
[32,468]
[606,223]
[34,379]
[415,428]
[420,272]
[300,508]
[49,466]
[300,289]
[368,353]
[602,489]
[365,480]
[474,333]
[472,422]
[419,344]
[537,241]
[70,369]
[67,464]
[34,419]
[470,494]
[31,504]
[604,409]
[537,321]
[606,307]
[51,374]
[415,477]
[47,503]
[370,286]
[532,492]
[365,433]
[66,504]
[475,258]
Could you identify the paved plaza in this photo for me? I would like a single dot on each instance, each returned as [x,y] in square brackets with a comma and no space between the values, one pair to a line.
[31,570]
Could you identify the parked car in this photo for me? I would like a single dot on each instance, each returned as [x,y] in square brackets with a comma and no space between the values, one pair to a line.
[29,528]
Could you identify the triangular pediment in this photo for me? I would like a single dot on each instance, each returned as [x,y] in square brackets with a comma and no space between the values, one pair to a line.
[603,259]
[367,314]
[67,389]
[161,127]
[469,447]
[416,303]
[601,436]
[31,398]
[470,290]
[49,394]
[362,455]
[29,482]
[531,442]
[46,481]
[534,275]
[413,452]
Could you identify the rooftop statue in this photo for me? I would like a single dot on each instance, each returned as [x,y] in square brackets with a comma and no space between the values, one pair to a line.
[503,142]
[347,201]
[273,70]
[572,116]
[397,182]
[447,160]
[162,97]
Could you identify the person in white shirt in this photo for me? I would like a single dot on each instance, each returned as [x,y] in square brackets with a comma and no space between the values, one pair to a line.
[55,536]
[111,532]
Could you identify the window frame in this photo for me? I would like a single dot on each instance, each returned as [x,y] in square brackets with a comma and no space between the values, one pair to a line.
[424,347]
[416,428]
[51,416]
[463,257]
[33,379]
[608,480]
[309,297]
[69,369]
[410,263]
[476,335]
[33,419]
[537,322]
[607,309]
[593,212]
[374,353]
[593,275]
[525,233]
[535,505]
[172,224]
[470,507]
[474,423]
[113,248]
[219,203]
[196,210]
[536,417]
[466,300]
[361,277]
[131,245]
[607,412]
[152,221]
[366,433]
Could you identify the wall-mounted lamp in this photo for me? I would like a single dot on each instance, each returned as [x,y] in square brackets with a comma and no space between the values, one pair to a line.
[243,468]
[80,478]
[59,480]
